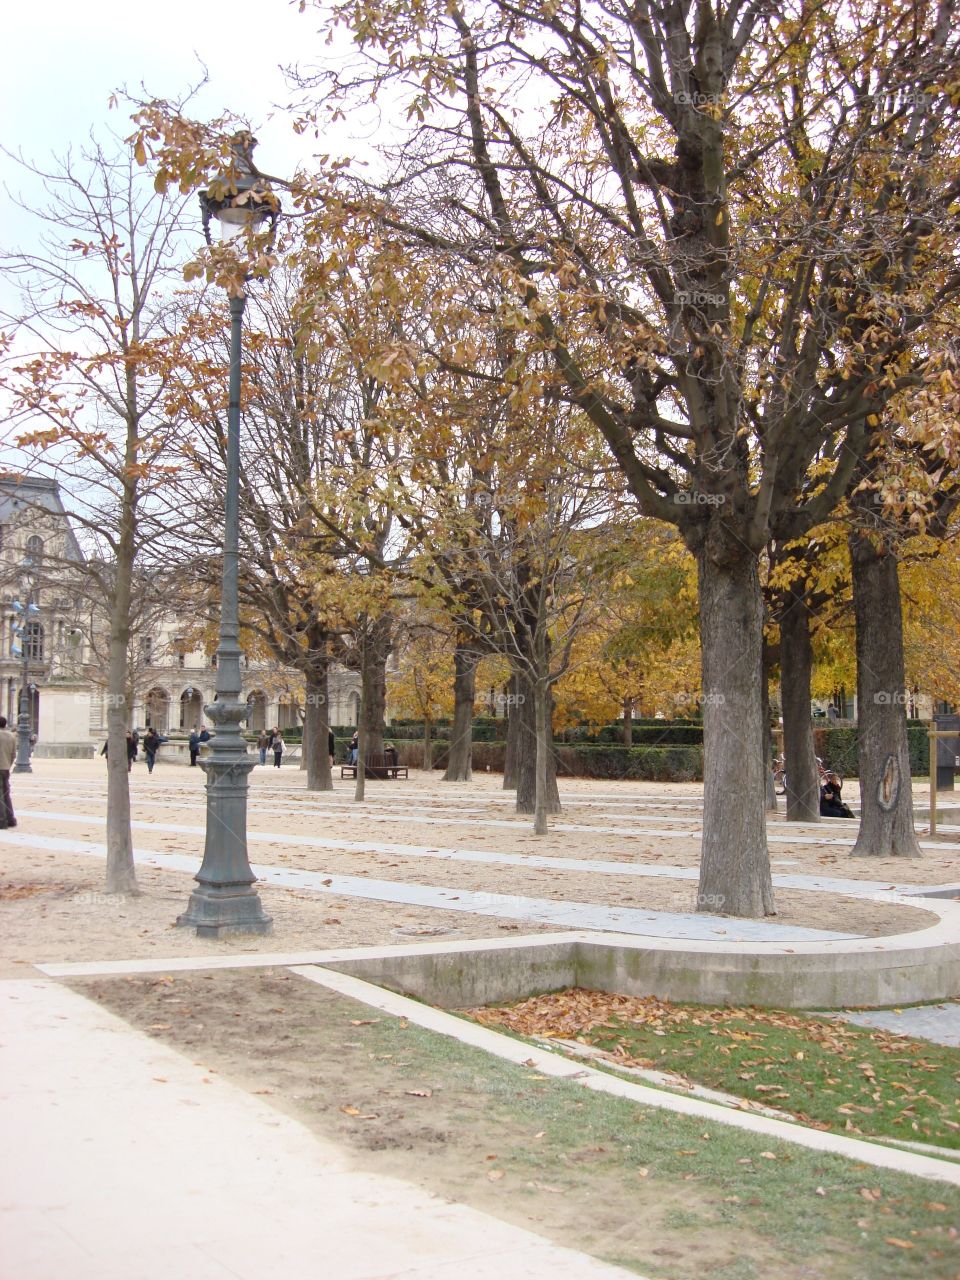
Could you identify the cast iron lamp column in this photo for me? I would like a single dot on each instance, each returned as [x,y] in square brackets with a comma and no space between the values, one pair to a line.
[225,900]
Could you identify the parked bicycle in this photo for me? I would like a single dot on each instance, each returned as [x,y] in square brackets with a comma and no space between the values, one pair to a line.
[780,774]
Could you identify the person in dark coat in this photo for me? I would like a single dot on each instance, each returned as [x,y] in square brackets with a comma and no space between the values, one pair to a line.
[831,800]
[193,742]
[331,746]
[151,745]
[278,748]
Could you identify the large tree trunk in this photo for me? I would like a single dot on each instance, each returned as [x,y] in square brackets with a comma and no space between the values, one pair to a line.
[121,876]
[512,751]
[528,743]
[796,666]
[316,731]
[460,760]
[373,671]
[734,864]
[886,792]
[543,758]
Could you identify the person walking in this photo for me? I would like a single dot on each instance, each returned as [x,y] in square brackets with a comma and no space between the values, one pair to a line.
[354,747]
[8,754]
[278,748]
[262,743]
[131,750]
[193,742]
[331,746]
[151,745]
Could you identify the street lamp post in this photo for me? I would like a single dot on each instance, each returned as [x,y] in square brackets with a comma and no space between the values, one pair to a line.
[225,900]
[27,611]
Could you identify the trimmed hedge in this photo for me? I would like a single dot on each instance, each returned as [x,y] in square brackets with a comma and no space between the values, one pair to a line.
[837,747]
[660,764]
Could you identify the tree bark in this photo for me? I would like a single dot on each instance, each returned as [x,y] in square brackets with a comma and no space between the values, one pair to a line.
[427,744]
[543,758]
[373,671]
[121,876]
[512,750]
[886,791]
[796,667]
[460,760]
[528,743]
[734,865]
[316,731]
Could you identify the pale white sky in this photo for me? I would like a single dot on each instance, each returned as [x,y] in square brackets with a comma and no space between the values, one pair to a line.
[61,59]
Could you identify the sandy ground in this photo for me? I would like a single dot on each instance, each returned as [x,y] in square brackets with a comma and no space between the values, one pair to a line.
[52,904]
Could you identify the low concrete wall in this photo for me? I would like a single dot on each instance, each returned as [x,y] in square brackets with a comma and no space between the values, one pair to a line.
[65,750]
[864,972]
[471,974]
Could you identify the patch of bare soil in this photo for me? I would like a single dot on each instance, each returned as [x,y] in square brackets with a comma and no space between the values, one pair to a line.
[600,1175]
[57,910]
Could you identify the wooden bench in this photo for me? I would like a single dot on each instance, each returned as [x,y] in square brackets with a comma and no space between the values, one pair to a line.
[376,768]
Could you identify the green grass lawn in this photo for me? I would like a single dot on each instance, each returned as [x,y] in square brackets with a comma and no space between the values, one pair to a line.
[828,1074]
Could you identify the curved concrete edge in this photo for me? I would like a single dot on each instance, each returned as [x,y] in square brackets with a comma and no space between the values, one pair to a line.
[902,969]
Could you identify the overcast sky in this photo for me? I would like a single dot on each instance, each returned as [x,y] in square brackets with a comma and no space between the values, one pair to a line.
[62,59]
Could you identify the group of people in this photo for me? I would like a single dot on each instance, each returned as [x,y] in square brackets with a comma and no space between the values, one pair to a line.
[152,742]
[391,756]
[271,740]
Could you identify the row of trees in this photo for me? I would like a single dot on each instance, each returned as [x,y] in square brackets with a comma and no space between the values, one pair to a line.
[688,267]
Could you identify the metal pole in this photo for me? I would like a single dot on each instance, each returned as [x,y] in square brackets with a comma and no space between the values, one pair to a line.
[931,736]
[23,764]
[225,900]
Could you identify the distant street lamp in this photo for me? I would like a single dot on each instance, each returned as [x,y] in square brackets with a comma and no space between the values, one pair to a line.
[27,611]
[225,900]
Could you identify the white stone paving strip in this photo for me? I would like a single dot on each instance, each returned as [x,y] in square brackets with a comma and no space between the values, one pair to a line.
[576,915]
[126,1159]
[553,1064]
[640,829]
[872,889]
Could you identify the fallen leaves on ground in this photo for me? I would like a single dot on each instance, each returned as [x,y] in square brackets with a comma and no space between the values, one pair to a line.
[758,1047]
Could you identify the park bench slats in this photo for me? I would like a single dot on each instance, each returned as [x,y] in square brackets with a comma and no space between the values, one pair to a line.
[376,768]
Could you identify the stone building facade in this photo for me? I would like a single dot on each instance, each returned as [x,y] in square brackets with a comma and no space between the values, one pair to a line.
[57,655]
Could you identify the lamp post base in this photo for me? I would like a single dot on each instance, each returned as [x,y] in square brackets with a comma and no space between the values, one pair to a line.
[225,900]
[217,912]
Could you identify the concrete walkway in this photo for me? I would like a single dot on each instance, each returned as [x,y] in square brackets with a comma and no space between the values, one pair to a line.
[939,1023]
[124,1159]
[565,914]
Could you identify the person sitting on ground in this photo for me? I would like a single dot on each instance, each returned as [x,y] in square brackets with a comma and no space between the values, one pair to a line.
[831,800]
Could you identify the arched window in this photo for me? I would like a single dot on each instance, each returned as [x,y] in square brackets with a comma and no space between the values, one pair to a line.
[34,548]
[33,637]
